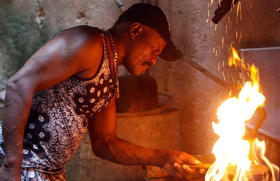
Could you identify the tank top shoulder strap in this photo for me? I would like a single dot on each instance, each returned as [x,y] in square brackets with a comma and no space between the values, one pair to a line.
[104,63]
[105,57]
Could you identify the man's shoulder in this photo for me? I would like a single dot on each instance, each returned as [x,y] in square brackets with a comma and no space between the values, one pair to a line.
[81,31]
[86,45]
[82,37]
[84,29]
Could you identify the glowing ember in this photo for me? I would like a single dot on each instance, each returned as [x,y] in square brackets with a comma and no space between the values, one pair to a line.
[236,158]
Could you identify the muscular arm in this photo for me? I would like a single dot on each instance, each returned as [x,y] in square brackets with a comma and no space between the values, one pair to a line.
[108,145]
[57,60]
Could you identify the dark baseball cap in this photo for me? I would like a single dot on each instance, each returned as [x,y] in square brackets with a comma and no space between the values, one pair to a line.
[155,18]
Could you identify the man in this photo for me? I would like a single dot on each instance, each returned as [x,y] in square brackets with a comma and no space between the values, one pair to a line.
[71,84]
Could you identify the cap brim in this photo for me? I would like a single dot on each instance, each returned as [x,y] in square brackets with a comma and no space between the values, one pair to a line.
[171,52]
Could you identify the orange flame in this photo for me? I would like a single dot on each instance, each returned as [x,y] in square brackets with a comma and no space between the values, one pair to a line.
[236,157]
[235,60]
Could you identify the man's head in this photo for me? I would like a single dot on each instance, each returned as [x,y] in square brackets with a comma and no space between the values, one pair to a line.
[148,37]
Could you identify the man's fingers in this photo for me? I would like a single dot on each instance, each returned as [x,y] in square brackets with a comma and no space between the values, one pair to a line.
[185,171]
[201,166]
[177,170]
[180,164]
[172,169]
[188,169]
[193,160]
[189,159]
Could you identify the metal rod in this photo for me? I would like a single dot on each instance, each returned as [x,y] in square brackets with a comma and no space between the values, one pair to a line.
[265,133]
[208,74]
[120,5]
[261,117]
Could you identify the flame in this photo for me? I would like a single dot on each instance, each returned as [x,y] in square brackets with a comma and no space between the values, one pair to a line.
[236,157]
[235,60]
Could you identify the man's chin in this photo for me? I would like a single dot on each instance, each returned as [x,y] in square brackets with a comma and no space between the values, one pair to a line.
[141,72]
[137,73]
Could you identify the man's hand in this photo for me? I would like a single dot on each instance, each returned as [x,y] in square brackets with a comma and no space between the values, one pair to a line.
[9,174]
[178,164]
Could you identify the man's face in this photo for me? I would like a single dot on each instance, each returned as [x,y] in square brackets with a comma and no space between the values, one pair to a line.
[143,51]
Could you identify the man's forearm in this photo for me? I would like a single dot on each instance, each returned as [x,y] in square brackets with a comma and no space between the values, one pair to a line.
[121,151]
[16,111]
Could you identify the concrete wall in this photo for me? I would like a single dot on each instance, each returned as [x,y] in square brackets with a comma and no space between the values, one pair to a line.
[196,96]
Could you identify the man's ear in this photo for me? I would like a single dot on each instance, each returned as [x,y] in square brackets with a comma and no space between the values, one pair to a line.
[135,30]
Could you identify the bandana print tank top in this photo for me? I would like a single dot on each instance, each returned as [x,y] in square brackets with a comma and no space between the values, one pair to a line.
[59,117]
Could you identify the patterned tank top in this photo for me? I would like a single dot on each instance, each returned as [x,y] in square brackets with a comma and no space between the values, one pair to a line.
[59,116]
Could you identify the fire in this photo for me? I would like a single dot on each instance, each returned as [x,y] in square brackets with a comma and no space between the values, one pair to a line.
[236,157]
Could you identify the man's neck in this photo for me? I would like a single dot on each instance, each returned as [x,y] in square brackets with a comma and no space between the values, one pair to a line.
[119,42]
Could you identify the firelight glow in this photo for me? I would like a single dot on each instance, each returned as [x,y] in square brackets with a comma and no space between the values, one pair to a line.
[234,155]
